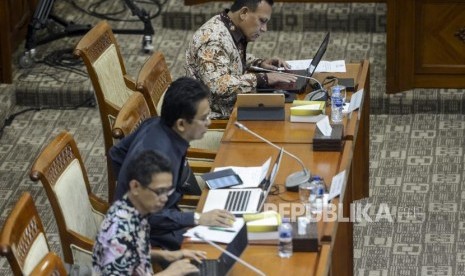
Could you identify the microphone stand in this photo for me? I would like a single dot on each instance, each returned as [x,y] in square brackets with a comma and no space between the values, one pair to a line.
[256,270]
[294,179]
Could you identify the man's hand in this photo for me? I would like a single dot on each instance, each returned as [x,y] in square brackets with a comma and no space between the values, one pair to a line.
[217,217]
[274,78]
[274,64]
[179,268]
[171,256]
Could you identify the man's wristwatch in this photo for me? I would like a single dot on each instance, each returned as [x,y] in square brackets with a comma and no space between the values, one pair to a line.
[196,218]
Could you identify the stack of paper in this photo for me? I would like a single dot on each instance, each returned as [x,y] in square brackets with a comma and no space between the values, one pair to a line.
[215,234]
[251,176]
[307,111]
[263,227]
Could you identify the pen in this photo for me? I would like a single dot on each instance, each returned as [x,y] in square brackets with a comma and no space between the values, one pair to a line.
[221,229]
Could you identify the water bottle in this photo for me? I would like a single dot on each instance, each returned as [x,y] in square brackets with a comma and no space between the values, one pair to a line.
[317,198]
[285,239]
[336,105]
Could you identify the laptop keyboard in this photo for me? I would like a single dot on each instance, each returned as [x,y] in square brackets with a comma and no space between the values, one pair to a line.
[237,201]
[206,268]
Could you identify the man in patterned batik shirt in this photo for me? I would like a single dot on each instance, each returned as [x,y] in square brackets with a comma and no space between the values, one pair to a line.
[122,246]
[217,55]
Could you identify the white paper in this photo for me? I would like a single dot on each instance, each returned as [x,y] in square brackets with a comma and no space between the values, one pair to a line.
[323,66]
[324,126]
[336,185]
[356,100]
[251,176]
[215,235]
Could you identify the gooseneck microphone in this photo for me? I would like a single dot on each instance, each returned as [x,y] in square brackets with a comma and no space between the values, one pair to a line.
[256,68]
[294,179]
[256,270]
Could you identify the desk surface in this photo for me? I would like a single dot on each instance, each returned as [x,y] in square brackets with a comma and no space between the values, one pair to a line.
[286,131]
[238,148]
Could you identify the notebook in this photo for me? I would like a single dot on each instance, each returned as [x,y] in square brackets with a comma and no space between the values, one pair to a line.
[300,84]
[243,201]
[224,263]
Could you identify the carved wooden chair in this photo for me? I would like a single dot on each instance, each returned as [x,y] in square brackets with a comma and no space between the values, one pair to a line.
[78,212]
[112,85]
[133,113]
[153,80]
[51,264]
[22,240]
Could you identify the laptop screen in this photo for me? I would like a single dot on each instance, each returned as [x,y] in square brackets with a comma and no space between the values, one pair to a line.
[236,247]
[318,56]
[269,183]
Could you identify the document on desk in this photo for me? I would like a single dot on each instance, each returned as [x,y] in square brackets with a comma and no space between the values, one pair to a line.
[251,176]
[323,66]
[215,234]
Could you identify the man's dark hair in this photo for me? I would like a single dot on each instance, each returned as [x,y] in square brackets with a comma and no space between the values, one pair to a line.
[145,164]
[251,4]
[182,100]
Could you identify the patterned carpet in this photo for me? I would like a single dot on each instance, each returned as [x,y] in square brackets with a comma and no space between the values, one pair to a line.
[416,138]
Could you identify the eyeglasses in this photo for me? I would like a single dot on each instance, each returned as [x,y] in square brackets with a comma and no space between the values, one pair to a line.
[204,120]
[161,192]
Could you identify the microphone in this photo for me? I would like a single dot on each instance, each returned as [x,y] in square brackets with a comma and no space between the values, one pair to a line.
[256,270]
[261,69]
[294,179]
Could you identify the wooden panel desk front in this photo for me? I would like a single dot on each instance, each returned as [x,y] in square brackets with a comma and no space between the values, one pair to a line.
[288,132]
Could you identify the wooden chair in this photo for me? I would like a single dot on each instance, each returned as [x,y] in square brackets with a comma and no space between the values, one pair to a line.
[50,265]
[22,240]
[153,80]
[78,212]
[112,85]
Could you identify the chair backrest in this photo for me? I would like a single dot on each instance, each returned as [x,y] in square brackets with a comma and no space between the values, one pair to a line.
[22,240]
[102,56]
[132,114]
[51,264]
[153,80]
[78,212]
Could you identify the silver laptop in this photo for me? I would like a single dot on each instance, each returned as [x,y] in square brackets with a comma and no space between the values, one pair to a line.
[243,201]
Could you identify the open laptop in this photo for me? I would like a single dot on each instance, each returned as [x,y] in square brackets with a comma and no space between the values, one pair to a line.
[243,201]
[224,263]
[300,84]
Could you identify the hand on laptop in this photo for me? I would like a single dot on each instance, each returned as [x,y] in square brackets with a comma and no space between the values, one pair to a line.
[217,217]
[172,256]
[275,78]
[181,267]
[274,64]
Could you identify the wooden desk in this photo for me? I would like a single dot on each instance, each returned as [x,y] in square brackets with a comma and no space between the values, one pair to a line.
[288,132]
[335,255]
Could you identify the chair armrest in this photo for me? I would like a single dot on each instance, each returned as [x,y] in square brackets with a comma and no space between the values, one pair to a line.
[98,204]
[117,133]
[130,82]
[200,166]
[201,153]
[218,124]
[189,200]
[80,241]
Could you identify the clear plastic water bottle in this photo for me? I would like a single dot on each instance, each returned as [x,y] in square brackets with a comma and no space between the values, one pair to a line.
[317,198]
[285,239]
[336,105]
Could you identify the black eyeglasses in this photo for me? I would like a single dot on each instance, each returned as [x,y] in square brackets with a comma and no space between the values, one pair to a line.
[161,192]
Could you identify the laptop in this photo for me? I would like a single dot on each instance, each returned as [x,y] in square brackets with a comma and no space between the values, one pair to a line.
[301,83]
[260,107]
[243,201]
[224,263]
